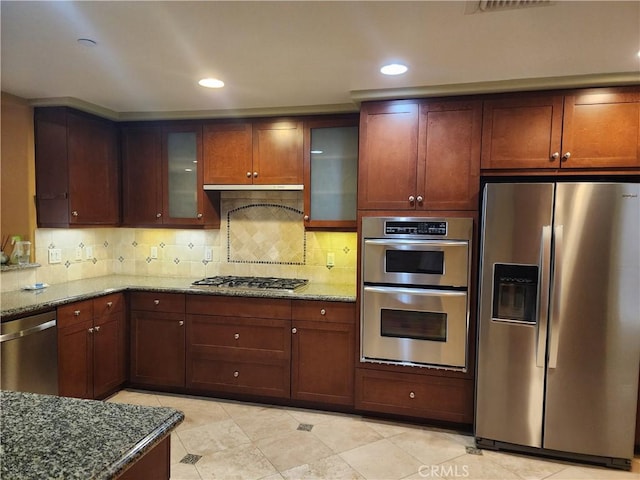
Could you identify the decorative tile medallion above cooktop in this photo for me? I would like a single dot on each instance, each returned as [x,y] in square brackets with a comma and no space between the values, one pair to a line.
[266,233]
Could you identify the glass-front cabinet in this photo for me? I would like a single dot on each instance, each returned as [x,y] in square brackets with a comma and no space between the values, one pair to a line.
[331,167]
[182,157]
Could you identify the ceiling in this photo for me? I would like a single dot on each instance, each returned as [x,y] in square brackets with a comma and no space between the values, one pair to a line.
[303,56]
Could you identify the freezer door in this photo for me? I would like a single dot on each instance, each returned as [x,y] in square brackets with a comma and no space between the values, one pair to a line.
[594,338]
[515,261]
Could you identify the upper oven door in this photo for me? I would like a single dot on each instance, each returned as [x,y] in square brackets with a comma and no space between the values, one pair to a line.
[416,262]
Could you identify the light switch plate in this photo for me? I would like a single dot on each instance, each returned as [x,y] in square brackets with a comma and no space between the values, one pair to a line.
[208,254]
[55,255]
[78,254]
[88,253]
[154,252]
[331,259]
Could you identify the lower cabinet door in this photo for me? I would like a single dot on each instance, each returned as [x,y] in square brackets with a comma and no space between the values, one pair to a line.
[108,357]
[75,366]
[157,349]
[415,395]
[322,359]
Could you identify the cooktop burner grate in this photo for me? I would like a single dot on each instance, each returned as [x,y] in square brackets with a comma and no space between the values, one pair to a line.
[230,281]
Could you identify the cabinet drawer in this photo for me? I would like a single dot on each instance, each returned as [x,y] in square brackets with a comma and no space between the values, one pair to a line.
[340,312]
[259,335]
[436,398]
[108,304]
[75,313]
[239,306]
[158,302]
[212,373]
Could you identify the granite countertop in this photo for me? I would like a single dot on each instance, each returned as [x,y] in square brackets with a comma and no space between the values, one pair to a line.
[24,302]
[48,437]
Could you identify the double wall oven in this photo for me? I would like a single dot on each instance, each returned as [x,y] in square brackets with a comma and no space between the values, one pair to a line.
[415,291]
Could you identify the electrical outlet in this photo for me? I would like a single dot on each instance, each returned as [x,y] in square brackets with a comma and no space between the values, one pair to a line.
[154,252]
[78,254]
[88,253]
[208,254]
[331,259]
[55,255]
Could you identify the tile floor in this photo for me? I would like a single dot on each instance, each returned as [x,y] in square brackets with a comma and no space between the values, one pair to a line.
[235,440]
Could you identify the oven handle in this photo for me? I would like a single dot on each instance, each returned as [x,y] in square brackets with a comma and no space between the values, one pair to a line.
[417,243]
[415,291]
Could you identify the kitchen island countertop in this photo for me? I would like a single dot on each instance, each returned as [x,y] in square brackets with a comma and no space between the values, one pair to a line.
[49,437]
[25,302]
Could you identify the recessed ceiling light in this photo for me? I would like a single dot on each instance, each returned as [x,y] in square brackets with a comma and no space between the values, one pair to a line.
[87,42]
[211,83]
[394,69]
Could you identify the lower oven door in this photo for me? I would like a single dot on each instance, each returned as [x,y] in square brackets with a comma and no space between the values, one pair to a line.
[414,326]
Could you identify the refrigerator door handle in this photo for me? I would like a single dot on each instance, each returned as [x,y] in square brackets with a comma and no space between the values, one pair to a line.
[554,334]
[543,297]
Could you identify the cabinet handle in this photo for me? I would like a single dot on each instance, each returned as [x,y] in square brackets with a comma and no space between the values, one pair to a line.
[156,302]
[248,174]
[158,215]
[97,329]
[236,336]
[323,311]
[566,156]
[255,174]
[109,304]
[91,330]
[412,395]
[74,213]
[236,374]
[294,330]
[419,198]
[555,156]
[306,218]
[412,199]
[199,215]
[181,322]
[76,313]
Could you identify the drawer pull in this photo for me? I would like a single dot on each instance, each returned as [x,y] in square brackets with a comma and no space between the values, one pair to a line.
[323,312]
[236,373]
[156,302]
[76,313]
[91,330]
[109,304]
[236,336]
[181,322]
[294,330]
[97,329]
[412,395]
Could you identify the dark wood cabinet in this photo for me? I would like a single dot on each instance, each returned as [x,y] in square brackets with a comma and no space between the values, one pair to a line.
[91,347]
[420,155]
[253,153]
[415,395]
[77,169]
[323,351]
[157,339]
[239,345]
[583,129]
[163,176]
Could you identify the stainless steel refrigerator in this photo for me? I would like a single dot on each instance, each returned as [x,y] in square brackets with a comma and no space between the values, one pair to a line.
[559,320]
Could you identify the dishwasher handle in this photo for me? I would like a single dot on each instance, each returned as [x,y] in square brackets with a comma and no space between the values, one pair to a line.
[28,331]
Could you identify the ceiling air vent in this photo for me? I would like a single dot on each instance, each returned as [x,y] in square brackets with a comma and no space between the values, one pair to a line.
[497,5]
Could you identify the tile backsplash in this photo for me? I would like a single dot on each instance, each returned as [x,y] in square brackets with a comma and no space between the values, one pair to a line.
[261,234]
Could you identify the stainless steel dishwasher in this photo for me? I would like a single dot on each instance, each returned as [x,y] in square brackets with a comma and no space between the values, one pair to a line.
[29,354]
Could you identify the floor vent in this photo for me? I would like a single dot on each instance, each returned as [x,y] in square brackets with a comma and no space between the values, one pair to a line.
[190,459]
[497,5]
[473,451]
[305,427]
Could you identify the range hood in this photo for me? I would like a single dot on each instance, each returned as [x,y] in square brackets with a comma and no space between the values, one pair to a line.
[254,187]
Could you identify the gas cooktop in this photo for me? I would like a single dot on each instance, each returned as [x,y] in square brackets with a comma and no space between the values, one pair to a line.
[253,283]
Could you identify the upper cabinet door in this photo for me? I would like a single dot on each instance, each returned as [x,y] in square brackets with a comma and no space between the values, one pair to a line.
[182,183]
[331,173]
[449,155]
[388,156]
[601,129]
[228,157]
[522,132]
[142,175]
[277,153]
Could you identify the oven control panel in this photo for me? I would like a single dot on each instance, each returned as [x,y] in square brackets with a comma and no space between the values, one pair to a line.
[415,228]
